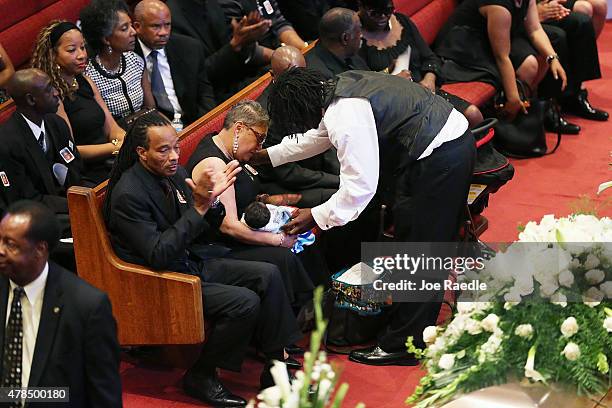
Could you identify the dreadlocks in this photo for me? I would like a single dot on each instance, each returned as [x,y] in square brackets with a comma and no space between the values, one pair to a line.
[297,99]
[43,58]
[136,136]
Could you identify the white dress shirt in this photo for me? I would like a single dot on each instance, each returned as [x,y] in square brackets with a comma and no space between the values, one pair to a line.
[349,125]
[164,71]
[31,307]
[36,131]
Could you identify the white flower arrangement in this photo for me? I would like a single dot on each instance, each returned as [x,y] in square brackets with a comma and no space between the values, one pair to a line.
[559,283]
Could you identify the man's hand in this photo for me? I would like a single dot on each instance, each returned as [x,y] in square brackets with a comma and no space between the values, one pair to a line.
[301,221]
[429,82]
[211,185]
[404,73]
[260,157]
[552,10]
[557,71]
[249,29]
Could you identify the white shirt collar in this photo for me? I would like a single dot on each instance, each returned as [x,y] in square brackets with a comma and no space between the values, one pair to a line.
[34,289]
[146,50]
[35,128]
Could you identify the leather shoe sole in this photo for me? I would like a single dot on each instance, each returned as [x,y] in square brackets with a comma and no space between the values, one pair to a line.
[376,356]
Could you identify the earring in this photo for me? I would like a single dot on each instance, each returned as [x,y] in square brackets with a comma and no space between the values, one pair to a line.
[110,50]
[235,144]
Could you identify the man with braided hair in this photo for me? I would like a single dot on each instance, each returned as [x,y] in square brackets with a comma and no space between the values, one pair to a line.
[158,218]
[379,124]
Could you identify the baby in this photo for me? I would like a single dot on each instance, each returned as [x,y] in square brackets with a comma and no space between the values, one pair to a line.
[270,218]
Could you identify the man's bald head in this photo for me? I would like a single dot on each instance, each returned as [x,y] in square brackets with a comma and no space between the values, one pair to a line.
[153,23]
[284,58]
[32,89]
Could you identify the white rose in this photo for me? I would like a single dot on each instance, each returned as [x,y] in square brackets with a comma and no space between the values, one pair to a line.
[513,296]
[571,351]
[473,327]
[608,324]
[510,305]
[569,327]
[465,307]
[595,276]
[575,263]
[524,330]
[592,297]
[447,361]
[591,262]
[489,323]
[430,334]
[566,278]
[548,290]
[271,396]
[559,299]
[606,288]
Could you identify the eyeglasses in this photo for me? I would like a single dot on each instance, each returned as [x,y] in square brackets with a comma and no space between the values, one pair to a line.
[261,137]
[379,12]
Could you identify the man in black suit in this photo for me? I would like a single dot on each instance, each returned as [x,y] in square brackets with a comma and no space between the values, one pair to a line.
[62,328]
[159,219]
[176,64]
[233,58]
[35,144]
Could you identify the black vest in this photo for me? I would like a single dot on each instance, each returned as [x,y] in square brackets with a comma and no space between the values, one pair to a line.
[408,116]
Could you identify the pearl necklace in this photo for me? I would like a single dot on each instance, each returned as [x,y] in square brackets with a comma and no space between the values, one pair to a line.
[106,70]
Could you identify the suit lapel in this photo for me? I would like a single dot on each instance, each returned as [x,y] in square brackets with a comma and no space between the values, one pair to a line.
[155,192]
[176,62]
[36,154]
[47,329]
[4,288]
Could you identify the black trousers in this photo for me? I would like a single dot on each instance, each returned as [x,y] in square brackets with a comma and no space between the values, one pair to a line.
[244,299]
[573,39]
[431,197]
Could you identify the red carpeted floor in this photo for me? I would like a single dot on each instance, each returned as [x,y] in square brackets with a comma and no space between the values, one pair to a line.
[548,185]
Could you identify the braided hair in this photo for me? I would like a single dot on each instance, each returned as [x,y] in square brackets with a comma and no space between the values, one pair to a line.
[43,58]
[297,99]
[136,136]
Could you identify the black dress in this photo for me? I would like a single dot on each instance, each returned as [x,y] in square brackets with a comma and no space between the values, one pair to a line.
[463,42]
[87,121]
[422,59]
[298,284]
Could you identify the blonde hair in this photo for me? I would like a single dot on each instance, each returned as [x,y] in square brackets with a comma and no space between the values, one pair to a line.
[43,58]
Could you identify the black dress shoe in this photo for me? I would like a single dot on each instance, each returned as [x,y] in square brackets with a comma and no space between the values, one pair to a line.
[580,106]
[379,357]
[209,389]
[294,349]
[292,363]
[555,123]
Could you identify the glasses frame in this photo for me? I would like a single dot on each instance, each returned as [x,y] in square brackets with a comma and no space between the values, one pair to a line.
[261,137]
[386,11]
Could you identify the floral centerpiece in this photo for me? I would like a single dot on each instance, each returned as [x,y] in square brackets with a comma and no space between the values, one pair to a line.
[315,385]
[546,318]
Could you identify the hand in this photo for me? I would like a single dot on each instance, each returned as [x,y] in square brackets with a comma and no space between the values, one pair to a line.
[249,29]
[511,108]
[287,241]
[301,221]
[260,157]
[429,82]
[211,185]
[404,73]
[552,10]
[557,71]
[279,199]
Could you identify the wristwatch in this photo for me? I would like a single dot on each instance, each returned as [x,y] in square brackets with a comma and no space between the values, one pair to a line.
[551,57]
[115,142]
[216,203]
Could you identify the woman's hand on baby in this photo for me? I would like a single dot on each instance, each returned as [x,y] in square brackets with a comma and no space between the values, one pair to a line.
[287,241]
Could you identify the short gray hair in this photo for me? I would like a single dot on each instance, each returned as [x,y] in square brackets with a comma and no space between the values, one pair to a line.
[249,112]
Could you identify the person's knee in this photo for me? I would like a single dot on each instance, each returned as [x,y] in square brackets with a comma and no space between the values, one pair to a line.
[267,275]
[600,7]
[584,7]
[528,71]
[473,115]
[247,306]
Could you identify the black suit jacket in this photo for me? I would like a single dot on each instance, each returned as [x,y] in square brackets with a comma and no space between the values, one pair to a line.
[145,231]
[76,344]
[188,69]
[30,170]
[321,59]
[204,20]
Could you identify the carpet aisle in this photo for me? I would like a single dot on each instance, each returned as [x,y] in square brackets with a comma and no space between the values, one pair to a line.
[548,185]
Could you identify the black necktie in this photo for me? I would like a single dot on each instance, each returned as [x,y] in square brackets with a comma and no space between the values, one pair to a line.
[157,85]
[13,345]
[169,193]
[41,141]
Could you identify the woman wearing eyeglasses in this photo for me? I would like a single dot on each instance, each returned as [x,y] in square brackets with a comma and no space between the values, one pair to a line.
[393,44]
[244,131]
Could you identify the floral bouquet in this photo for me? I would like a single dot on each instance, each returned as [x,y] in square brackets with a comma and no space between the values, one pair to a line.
[546,317]
[311,388]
